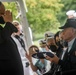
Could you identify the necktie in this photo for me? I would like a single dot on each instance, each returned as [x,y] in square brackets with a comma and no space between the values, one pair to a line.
[23,45]
[66,54]
[21,41]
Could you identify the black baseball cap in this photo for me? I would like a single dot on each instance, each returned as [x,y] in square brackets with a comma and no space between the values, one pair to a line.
[69,23]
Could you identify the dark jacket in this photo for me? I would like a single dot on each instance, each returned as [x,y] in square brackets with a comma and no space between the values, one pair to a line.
[69,60]
[10,60]
[54,67]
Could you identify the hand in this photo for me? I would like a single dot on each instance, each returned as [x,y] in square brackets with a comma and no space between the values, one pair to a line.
[7,16]
[35,73]
[29,57]
[47,49]
[55,59]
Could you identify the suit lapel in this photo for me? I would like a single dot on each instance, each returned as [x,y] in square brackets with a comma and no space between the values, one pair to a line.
[73,47]
[70,52]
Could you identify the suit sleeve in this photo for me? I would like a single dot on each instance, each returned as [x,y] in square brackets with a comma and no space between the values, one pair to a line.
[8,30]
[61,63]
[1,40]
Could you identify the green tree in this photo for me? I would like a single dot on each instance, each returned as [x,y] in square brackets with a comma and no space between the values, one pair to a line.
[42,14]
[68,5]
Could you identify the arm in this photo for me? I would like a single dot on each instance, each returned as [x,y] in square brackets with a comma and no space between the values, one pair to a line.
[1,40]
[34,68]
[56,60]
[8,30]
[9,27]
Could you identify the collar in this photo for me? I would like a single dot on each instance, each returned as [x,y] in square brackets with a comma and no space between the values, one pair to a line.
[3,25]
[71,42]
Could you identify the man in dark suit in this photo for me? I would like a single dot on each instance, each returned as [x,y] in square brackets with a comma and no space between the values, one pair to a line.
[10,61]
[68,63]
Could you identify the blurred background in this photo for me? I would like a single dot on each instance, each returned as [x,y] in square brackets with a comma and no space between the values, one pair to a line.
[44,15]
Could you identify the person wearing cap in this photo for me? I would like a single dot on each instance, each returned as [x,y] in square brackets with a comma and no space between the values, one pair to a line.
[68,63]
[48,34]
[70,14]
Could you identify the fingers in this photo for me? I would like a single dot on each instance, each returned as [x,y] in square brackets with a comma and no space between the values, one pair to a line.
[7,16]
[47,57]
[8,12]
[54,59]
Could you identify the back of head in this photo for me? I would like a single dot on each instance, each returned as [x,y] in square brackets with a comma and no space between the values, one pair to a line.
[56,37]
[42,43]
[33,46]
[50,41]
[15,22]
[56,34]
[48,34]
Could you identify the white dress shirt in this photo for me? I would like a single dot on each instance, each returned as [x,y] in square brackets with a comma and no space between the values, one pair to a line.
[70,44]
[69,48]
[27,70]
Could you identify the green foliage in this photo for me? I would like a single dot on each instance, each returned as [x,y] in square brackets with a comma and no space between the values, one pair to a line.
[42,14]
[68,5]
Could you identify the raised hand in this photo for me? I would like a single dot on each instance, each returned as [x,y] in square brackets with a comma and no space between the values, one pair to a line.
[7,16]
